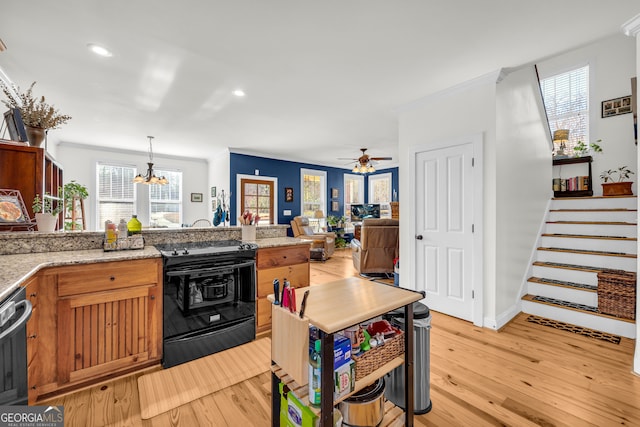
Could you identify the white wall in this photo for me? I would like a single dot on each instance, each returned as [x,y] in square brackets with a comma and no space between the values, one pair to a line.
[79,163]
[464,110]
[523,182]
[612,64]
[219,173]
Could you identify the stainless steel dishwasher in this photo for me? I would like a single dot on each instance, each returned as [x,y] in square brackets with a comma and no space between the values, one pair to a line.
[14,313]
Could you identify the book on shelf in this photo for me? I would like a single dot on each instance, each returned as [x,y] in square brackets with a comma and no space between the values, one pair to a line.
[576,183]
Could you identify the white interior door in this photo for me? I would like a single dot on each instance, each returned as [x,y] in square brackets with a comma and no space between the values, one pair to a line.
[444,229]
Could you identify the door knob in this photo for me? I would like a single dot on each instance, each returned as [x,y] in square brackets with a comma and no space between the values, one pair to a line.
[419,237]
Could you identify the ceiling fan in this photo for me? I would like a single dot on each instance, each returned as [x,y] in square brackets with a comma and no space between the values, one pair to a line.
[364,164]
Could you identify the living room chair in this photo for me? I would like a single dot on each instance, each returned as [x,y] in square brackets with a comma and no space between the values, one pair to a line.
[378,246]
[321,243]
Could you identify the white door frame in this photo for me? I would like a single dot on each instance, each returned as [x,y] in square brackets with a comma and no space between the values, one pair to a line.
[477,274]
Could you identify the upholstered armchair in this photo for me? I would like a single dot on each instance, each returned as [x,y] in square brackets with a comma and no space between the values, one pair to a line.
[377,247]
[302,230]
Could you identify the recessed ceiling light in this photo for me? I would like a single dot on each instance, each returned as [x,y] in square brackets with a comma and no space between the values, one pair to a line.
[99,50]
[239,93]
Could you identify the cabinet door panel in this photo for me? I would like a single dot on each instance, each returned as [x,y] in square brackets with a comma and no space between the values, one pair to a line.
[100,332]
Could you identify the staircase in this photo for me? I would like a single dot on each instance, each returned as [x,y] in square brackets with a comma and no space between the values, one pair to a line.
[582,236]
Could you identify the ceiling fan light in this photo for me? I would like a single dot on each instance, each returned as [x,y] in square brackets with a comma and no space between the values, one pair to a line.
[355,169]
[371,169]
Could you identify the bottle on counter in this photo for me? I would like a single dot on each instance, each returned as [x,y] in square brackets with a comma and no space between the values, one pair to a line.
[314,375]
[110,231]
[134,226]
[122,230]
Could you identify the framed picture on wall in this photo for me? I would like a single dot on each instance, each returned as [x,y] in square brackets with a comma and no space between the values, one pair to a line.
[196,197]
[617,106]
[213,191]
[288,194]
[334,206]
[334,193]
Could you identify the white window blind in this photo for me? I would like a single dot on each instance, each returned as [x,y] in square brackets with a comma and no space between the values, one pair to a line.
[566,99]
[314,185]
[353,192]
[380,192]
[165,201]
[116,193]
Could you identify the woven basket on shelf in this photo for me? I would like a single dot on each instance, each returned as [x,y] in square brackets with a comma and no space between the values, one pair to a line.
[371,360]
[617,293]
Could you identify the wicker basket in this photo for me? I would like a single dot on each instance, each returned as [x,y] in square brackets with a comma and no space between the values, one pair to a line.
[617,293]
[371,360]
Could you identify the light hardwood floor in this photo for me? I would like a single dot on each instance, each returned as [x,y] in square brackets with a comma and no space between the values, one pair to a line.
[524,375]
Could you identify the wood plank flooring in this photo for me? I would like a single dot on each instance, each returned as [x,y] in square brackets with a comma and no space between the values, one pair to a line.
[524,375]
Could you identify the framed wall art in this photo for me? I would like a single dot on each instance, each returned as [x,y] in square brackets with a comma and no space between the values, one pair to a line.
[213,191]
[334,193]
[288,194]
[196,197]
[617,106]
[334,206]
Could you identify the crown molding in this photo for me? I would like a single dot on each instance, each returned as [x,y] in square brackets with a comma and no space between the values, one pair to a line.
[632,26]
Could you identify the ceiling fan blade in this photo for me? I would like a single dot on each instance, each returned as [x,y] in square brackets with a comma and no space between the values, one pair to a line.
[346,158]
[380,158]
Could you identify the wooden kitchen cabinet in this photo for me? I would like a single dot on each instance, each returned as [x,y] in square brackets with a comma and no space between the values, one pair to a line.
[92,322]
[282,262]
[31,170]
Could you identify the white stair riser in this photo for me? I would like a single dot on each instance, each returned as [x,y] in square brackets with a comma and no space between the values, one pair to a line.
[574,295]
[595,203]
[584,277]
[604,324]
[599,261]
[622,246]
[607,216]
[592,229]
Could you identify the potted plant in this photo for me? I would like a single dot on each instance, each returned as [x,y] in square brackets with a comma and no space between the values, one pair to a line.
[73,193]
[336,221]
[37,115]
[45,212]
[581,149]
[615,182]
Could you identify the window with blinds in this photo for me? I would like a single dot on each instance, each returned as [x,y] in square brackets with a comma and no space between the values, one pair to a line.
[116,193]
[165,201]
[566,99]
[380,192]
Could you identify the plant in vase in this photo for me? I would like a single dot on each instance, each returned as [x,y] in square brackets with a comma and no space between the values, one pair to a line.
[37,115]
[615,182]
[46,213]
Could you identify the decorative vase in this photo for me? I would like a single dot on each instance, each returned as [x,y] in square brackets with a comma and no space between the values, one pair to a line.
[617,188]
[35,135]
[46,222]
[248,233]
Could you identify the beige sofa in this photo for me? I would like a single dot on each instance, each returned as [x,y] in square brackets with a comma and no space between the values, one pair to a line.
[377,247]
[325,241]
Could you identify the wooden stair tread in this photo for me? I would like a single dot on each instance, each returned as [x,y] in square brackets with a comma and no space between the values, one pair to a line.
[593,222]
[568,266]
[596,197]
[588,252]
[563,284]
[574,307]
[586,236]
[594,210]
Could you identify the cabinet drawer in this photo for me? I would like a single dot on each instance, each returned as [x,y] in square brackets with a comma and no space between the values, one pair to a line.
[281,256]
[297,275]
[107,276]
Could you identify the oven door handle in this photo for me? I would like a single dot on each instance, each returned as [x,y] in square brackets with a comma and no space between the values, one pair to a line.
[209,270]
[20,322]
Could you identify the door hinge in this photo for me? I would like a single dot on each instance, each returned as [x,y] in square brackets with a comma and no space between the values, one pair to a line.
[473,294]
[473,228]
[473,161]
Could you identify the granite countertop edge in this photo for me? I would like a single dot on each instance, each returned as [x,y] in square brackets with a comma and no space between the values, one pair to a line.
[17,269]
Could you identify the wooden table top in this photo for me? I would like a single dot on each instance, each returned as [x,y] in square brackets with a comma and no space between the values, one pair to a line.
[334,306]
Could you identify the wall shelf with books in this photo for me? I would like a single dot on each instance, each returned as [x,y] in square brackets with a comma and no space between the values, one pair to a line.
[575,186]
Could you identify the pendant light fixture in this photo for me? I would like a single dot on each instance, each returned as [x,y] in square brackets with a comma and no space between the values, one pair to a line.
[150,177]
